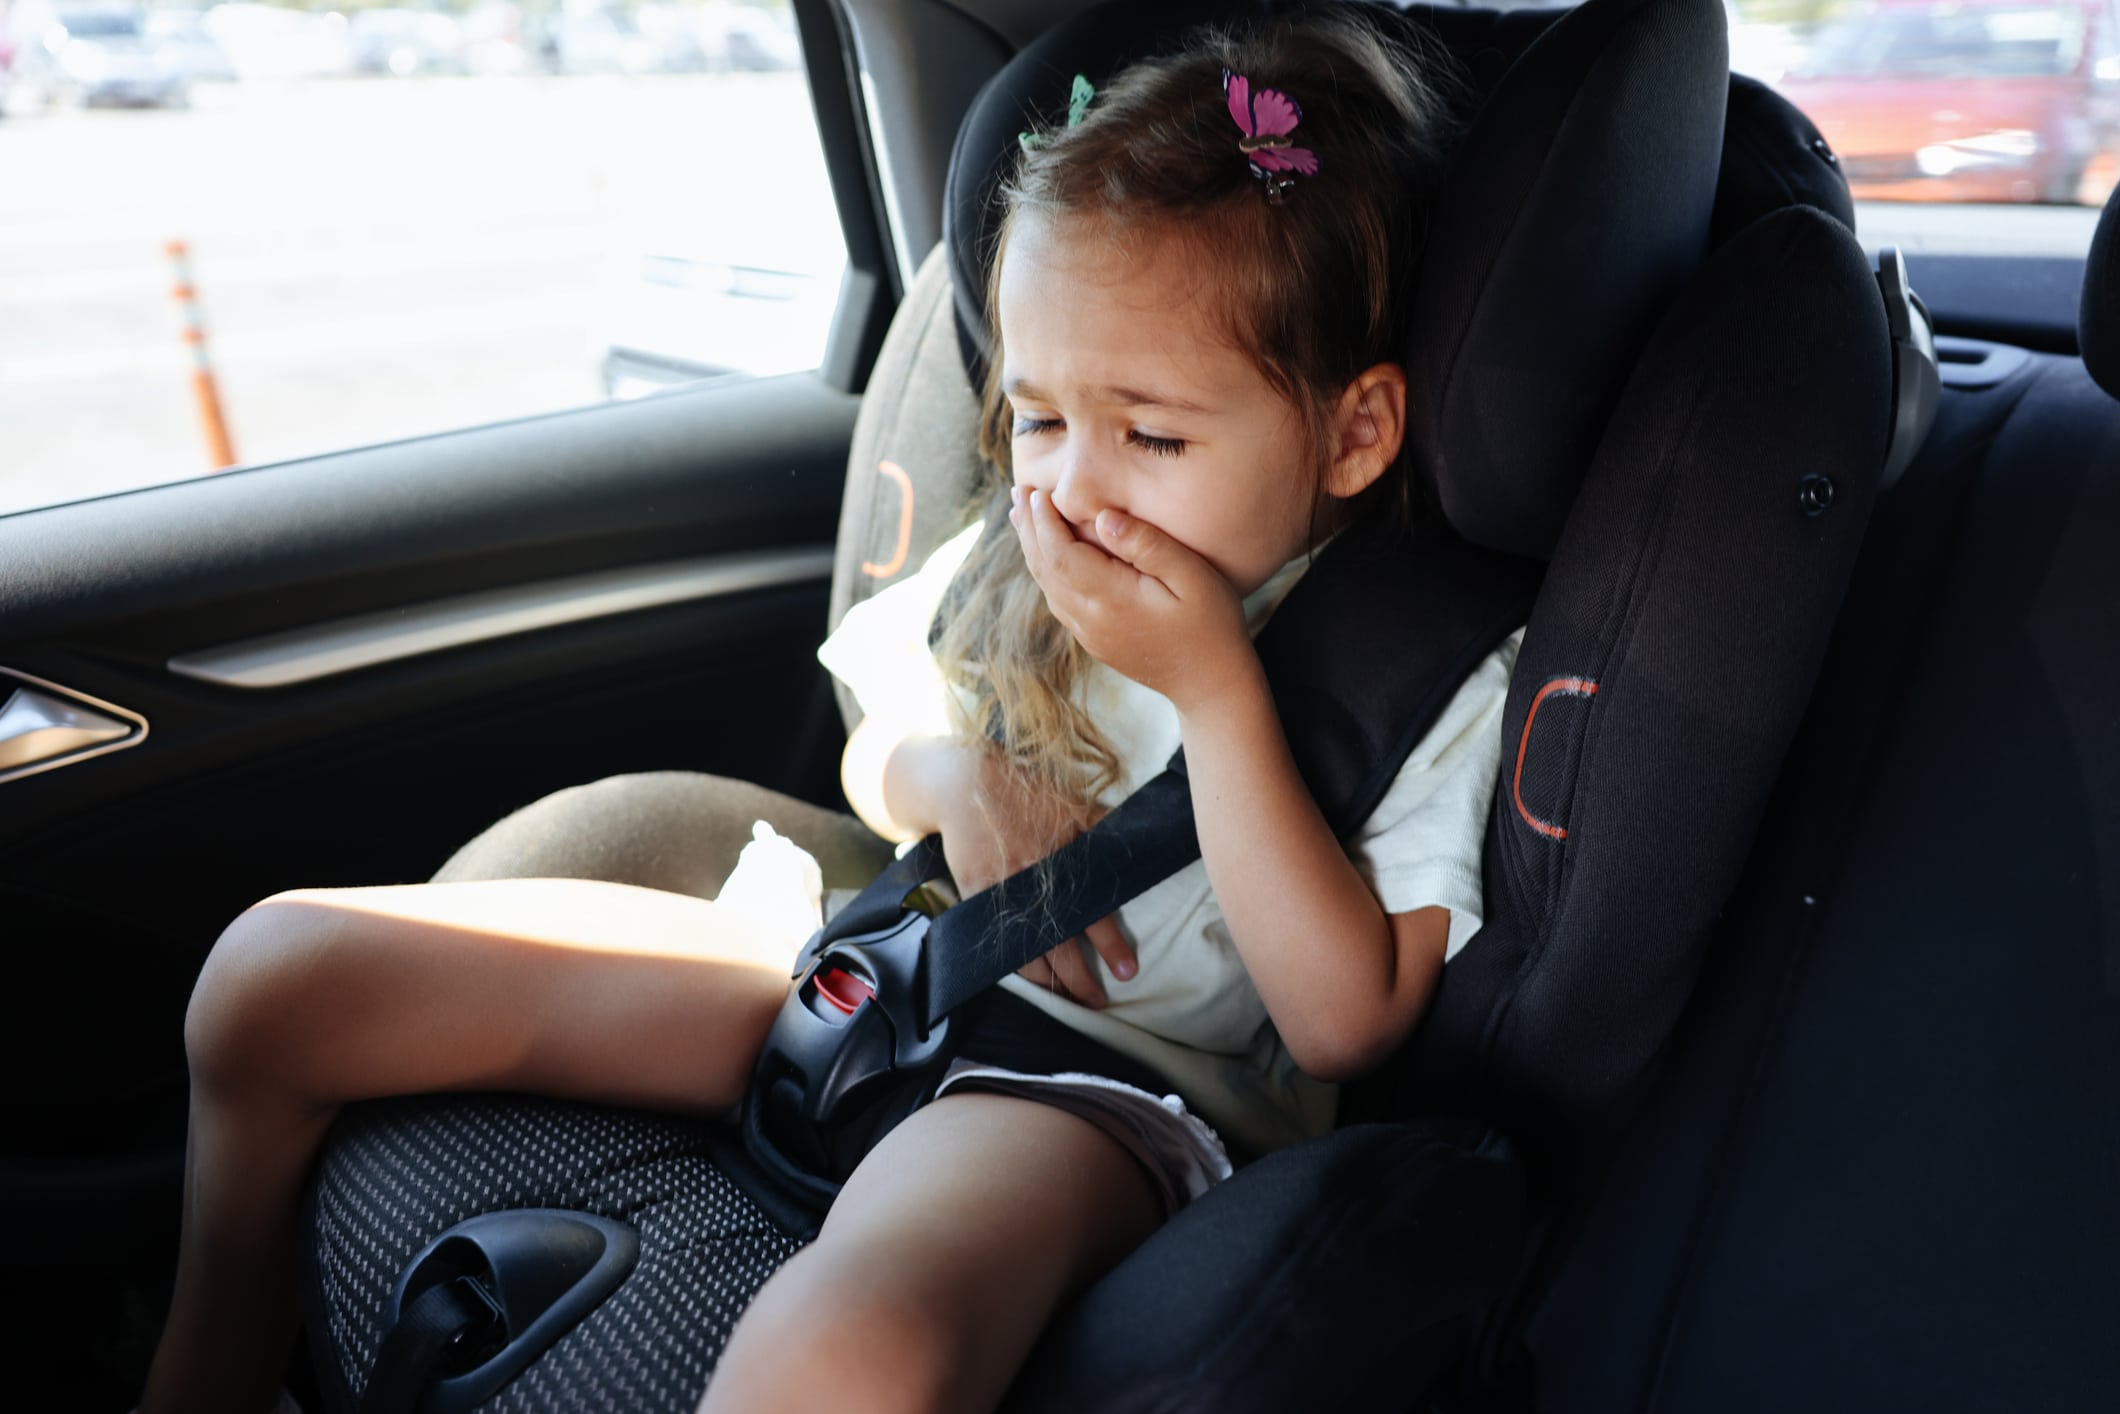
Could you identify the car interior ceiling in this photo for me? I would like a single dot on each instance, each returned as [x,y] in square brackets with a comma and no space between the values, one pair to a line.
[1878,1166]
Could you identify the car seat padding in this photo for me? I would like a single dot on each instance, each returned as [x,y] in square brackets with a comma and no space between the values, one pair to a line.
[1696,590]
[1335,1269]
[2098,307]
[914,467]
[1884,1137]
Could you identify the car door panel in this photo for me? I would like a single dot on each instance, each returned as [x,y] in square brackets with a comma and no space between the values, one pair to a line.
[124,866]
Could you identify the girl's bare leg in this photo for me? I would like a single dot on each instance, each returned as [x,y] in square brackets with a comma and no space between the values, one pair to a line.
[945,1255]
[311,999]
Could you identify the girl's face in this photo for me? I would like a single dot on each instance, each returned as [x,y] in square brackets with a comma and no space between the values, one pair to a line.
[1124,391]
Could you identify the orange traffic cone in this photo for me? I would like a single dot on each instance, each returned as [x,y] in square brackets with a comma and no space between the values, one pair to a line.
[219,451]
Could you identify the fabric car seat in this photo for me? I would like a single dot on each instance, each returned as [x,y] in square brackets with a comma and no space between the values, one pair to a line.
[1711,433]
[1882,1136]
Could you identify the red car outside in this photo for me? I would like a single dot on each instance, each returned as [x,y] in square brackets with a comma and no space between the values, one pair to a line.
[1968,100]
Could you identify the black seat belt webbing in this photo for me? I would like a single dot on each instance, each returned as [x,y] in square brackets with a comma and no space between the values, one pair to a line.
[405,1362]
[1471,600]
[1148,838]
[1349,739]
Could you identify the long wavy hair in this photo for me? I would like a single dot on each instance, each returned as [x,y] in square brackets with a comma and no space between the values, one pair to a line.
[1315,289]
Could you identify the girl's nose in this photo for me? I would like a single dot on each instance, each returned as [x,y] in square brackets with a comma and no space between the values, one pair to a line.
[1077,492]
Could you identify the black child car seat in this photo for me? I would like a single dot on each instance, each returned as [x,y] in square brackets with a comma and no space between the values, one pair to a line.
[1690,441]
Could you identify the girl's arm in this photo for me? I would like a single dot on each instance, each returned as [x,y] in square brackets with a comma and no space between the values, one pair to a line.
[895,781]
[1344,981]
[905,786]
[908,785]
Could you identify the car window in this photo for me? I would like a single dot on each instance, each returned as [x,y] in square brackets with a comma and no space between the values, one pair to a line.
[1988,126]
[1947,42]
[389,220]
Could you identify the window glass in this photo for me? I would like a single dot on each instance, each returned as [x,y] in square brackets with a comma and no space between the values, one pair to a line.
[1962,125]
[389,219]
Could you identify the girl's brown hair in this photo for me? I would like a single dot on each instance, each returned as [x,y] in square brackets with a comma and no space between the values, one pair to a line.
[1315,289]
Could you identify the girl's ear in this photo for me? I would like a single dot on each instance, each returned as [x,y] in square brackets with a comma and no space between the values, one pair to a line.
[1367,429]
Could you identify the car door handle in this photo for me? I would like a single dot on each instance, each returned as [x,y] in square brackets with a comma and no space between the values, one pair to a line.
[43,725]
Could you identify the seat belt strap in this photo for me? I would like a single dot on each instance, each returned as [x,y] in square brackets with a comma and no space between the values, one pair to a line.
[412,1350]
[1000,930]
[1348,746]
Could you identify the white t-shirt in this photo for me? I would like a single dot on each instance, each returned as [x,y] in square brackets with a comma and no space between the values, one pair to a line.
[1191,1011]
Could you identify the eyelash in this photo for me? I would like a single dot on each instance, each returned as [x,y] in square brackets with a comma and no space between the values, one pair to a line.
[1158,446]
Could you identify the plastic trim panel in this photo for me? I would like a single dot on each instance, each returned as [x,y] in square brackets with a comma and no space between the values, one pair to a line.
[364,640]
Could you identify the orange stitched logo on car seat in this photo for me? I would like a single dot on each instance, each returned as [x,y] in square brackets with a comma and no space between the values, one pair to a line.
[905,523]
[1573,687]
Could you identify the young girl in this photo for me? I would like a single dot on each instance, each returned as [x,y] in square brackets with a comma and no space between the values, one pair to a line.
[1197,303]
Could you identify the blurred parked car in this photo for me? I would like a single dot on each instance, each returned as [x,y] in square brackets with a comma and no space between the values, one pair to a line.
[758,39]
[598,42]
[405,42]
[665,318]
[22,28]
[493,39]
[180,36]
[691,294]
[1984,100]
[104,57]
[675,38]
[267,42]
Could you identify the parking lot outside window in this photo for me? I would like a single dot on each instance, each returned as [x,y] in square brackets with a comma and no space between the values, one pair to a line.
[394,220]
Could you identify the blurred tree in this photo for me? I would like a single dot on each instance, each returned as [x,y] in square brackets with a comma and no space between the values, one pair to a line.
[1804,14]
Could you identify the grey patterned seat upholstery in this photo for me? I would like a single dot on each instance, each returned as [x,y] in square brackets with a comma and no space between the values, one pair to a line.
[405,1169]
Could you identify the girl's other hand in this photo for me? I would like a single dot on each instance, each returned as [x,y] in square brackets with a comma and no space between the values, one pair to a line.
[1071,969]
[992,825]
[1144,605]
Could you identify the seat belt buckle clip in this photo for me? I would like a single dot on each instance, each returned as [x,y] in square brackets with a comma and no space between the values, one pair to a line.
[851,1036]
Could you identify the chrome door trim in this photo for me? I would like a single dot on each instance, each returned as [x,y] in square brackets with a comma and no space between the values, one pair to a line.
[364,640]
[31,768]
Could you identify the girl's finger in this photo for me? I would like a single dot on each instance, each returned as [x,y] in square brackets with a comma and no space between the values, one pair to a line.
[1154,554]
[1046,539]
[1039,973]
[1069,559]
[1070,962]
[1053,532]
[1019,516]
[1111,945]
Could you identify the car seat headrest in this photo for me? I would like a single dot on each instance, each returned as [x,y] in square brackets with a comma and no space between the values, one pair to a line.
[1576,204]
[1773,156]
[2098,309]
[1097,43]
[1575,208]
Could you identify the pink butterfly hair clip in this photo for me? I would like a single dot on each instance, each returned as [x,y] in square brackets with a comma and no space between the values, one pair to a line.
[1267,117]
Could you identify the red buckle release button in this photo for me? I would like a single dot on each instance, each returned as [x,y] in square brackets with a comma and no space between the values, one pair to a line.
[843,989]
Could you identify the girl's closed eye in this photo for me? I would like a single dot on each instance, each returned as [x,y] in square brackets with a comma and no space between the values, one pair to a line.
[1029,426]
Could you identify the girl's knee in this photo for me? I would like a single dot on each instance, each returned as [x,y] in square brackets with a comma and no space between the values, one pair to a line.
[911,1355]
[246,1005]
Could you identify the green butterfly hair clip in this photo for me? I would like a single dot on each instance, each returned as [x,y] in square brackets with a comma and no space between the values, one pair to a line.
[1078,97]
